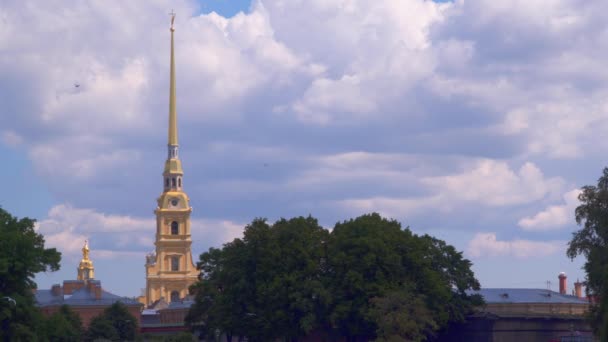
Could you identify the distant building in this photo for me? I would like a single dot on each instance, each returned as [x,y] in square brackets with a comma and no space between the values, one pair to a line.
[170,270]
[166,318]
[526,315]
[85,295]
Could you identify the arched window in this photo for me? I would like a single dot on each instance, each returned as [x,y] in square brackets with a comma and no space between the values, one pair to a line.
[167,182]
[175,263]
[174,296]
[174,228]
[179,182]
[173,182]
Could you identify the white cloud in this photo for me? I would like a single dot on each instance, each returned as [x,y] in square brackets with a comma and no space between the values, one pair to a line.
[11,138]
[67,242]
[565,125]
[66,217]
[487,183]
[110,236]
[379,50]
[494,183]
[94,159]
[553,217]
[486,244]
[405,107]
[356,167]
[390,207]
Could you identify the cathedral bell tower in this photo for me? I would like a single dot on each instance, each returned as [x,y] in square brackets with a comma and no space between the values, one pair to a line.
[170,270]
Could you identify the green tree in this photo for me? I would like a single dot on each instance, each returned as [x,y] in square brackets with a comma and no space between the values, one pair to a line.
[223,294]
[290,285]
[373,260]
[116,323]
[101,328]
[402,316]
[592,242]
[288,279]
[64,325]
[22,255]
[183,336]
[264,286]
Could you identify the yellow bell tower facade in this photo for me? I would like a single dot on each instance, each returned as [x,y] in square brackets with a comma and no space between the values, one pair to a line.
[170,270]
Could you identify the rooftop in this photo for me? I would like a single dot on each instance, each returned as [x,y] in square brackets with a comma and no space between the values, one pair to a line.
[504,295]
[80,297]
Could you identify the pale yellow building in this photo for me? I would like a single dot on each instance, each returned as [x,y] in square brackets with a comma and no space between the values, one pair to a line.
[171,270]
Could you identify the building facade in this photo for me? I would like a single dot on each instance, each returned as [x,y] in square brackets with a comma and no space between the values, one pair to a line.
[170,270]
[84,296]
[525,315]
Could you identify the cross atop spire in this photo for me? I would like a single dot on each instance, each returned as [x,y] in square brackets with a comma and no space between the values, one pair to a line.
[172,14]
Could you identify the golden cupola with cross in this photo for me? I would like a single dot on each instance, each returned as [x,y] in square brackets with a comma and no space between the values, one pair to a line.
[86,270]
[170,269]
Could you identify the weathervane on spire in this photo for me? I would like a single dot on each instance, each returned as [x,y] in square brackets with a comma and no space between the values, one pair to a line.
[85,250]
[172,14]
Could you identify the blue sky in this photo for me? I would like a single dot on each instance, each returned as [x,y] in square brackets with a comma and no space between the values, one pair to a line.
[226,8]
[475,121]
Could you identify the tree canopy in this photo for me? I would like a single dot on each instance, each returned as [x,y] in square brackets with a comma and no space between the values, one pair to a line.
[591,241]
[116,323]
[64,325]
[367,278]
[22,255]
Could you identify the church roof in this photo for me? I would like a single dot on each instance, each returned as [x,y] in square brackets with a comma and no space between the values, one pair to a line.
[506,295]
[81,297]
[182,304]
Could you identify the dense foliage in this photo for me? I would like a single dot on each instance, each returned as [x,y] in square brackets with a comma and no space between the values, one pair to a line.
[367,278]
[22,255]
[116,323]
[592,242]
[64,325]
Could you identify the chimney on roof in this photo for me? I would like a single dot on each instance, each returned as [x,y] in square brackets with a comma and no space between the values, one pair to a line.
[578,289]
[98,291]
[56,290]
[562,283]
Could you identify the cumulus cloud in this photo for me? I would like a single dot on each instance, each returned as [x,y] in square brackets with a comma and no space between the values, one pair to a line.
[405,107]
[11,138]
[553,217]
[487,244]
[111,236]
[487,183]
[494,183]
[390,207]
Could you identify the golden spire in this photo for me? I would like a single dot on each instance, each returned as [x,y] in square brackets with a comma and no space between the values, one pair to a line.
[173,166]
[86,270]
[85,250]
[172,111]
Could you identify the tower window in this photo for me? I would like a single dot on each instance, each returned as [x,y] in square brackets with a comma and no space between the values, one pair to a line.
[173,182]
[174,228]
[179,182]
[175,263]
[167,182]
[174,296]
